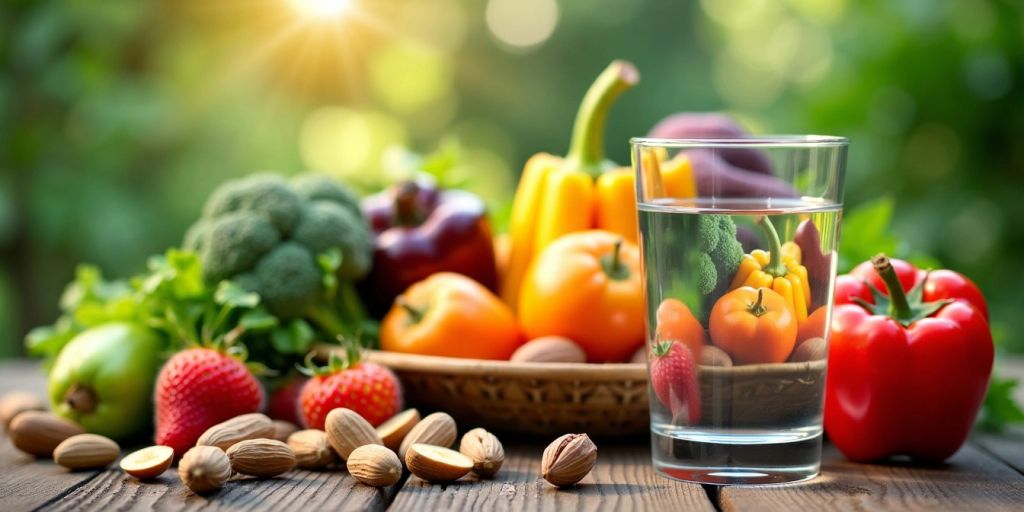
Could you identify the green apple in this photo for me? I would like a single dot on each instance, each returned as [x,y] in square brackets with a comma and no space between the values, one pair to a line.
[103,379]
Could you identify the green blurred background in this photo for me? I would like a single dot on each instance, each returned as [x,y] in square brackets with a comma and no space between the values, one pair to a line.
[118,117]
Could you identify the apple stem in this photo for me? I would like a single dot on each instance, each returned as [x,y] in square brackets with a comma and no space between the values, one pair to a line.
[81,398]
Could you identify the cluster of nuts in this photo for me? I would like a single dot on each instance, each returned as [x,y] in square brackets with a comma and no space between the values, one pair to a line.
[256,446]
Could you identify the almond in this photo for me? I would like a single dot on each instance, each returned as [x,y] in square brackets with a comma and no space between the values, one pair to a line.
[86,451]
[347,430]
[549,349]
[312,449]
[811,349]
[38,433]
[711,355]
[437,429]
[204,468]
[395,429]
[17,402]
[284,429]
[264,458]
[568,459]
[375,465]
[640,356]
[239,428]
[485,450]
[437,464]
[149,462]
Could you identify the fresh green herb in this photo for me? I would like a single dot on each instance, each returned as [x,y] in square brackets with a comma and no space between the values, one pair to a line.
[1000,409]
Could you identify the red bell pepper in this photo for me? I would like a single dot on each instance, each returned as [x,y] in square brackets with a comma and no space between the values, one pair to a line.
[909,363]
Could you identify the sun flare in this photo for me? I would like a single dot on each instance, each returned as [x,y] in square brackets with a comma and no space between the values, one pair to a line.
[322,10]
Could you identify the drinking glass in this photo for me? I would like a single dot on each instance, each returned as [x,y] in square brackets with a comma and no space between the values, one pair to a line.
[739,240]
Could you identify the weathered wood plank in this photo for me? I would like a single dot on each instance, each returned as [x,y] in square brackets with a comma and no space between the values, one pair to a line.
[1008,448]
[971,480]
[296,490]
[622,480]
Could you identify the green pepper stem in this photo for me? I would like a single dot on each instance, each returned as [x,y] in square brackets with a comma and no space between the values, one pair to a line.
[899,307]
[775,265]
[757,308]
[612,263]
[586,152]
[415,313]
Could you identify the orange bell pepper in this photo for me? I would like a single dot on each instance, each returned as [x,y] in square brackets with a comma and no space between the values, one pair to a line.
[557,195]
[451,315]
[586,287]
[677,323]
[753,326]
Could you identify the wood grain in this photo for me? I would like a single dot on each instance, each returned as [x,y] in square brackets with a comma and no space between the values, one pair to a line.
[295,490]
[622,480]
[971,480]
[1008,448]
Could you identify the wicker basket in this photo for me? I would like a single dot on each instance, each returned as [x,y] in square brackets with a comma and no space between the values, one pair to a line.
[607,400]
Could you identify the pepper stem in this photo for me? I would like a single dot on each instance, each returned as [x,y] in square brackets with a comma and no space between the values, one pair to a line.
[775,266]
[757,308]
[415,313]
[612,263]
[899,307]
[586,152]
[407,212]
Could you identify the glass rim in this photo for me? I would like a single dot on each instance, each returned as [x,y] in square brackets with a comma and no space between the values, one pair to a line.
[752,141]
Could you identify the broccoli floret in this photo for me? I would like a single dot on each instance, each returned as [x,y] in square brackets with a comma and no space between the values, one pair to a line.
[267,234]
[318,187]
[720,252]
[266,194]
[318,230]
[233,243]
[706,273]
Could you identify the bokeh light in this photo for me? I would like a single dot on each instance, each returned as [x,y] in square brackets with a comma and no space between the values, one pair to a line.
[407,76]
[347,142]
[322,9]
[522,24]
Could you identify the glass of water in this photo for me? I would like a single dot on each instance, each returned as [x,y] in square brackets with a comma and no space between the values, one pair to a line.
[739,240]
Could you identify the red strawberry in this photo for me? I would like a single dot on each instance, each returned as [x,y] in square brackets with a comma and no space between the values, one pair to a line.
[284,402]
[371,390]
[674,379]
[198,388]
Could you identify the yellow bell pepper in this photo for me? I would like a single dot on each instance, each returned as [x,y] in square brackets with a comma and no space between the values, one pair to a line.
[557,196]
[778,269]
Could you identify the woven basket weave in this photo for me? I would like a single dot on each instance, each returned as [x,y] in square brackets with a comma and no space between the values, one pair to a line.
[607,400]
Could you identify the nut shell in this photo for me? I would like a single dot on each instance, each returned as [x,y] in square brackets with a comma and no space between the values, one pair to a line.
[375,465]
[811,349]
[711,355]
[394,430]
[86,451]
[239,428]
[549,349]
[263,458]
[437,429]
[437,464]
[568,459]
[38,433]
[312,449]
[485,450]
[283,430]
[204,468]
[149,462]
[17,402]
[347,430]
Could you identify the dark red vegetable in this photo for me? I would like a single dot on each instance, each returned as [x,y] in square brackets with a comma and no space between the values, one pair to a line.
[817,263]
[421,230]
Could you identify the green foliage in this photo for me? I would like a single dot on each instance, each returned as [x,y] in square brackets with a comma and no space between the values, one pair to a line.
[1000,409]
[866,232]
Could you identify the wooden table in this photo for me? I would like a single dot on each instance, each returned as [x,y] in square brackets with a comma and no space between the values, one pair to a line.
[987,474]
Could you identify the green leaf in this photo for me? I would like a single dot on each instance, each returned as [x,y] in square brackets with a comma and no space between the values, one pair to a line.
[294,338]
[865,232]
[1000,409]
[234,296]
[258,320]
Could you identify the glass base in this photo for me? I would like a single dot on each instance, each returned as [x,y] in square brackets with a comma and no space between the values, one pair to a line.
[737,458]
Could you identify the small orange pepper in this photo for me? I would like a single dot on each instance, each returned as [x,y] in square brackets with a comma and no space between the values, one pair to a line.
[586,287]
[753,326]
[451,315]
[677,323]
